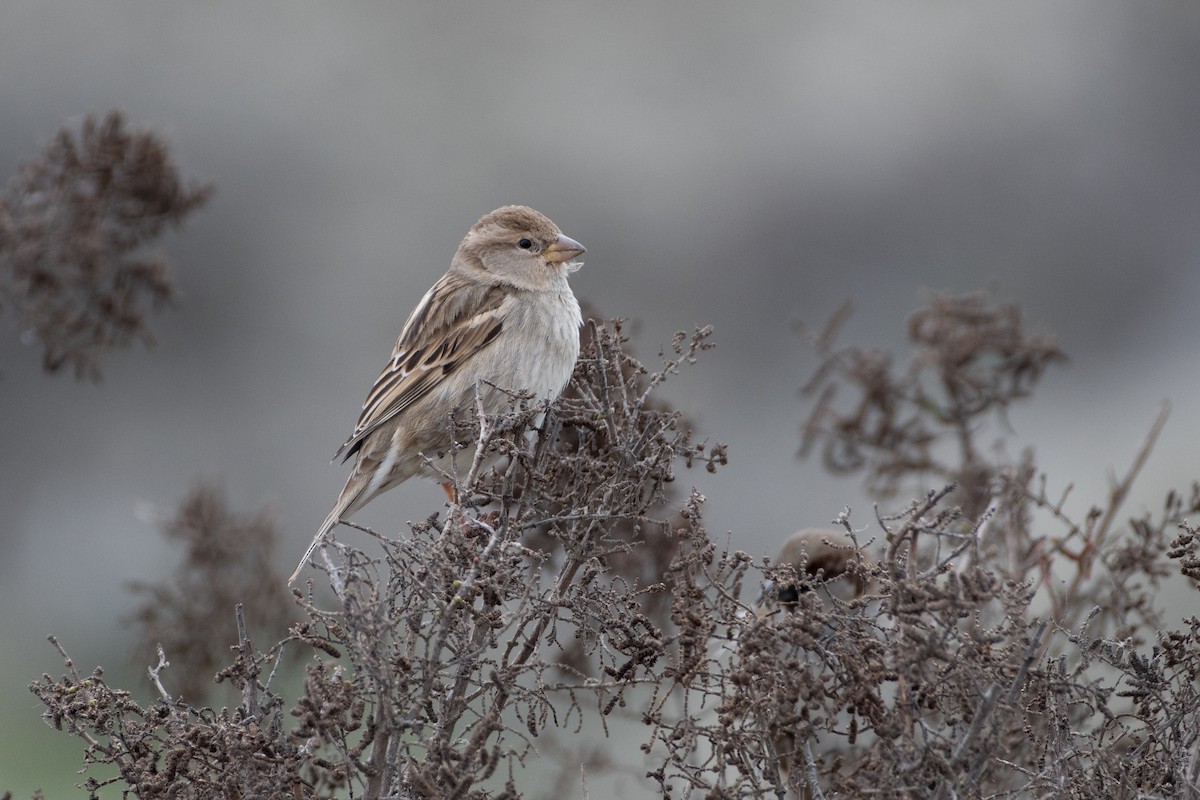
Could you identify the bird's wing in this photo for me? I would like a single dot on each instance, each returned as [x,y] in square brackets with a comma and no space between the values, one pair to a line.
[455,320]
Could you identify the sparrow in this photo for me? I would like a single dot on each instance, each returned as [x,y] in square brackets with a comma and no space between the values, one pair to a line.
[817,556]
[503,317]
[820,558]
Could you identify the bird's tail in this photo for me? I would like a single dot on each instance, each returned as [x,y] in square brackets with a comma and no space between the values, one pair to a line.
[331,521]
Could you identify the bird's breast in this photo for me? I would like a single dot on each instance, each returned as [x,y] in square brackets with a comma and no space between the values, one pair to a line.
[541,341]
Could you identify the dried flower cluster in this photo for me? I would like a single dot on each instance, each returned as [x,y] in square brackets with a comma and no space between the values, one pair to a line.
[971,361]
[73,227]
[979,654]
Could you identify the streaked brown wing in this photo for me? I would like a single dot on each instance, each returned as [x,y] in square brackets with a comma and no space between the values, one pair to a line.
[454,321]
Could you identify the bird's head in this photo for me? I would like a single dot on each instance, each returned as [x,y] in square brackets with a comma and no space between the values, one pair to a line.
[818,558]
[520,246]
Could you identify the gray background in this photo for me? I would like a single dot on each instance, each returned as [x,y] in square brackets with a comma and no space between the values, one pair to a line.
[745,167]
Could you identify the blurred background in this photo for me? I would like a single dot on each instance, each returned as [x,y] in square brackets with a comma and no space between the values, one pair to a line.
[745,170]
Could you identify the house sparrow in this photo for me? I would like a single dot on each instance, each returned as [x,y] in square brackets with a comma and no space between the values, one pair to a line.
[818,556]
[502,316]
[823,559]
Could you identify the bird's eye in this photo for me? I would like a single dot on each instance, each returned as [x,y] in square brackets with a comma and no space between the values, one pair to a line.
[525,244]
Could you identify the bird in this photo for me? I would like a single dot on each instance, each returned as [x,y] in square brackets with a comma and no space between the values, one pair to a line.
[503,317]
[820,559]
[818,556]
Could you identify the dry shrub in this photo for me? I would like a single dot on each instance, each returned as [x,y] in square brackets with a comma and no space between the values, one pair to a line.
[456,631]
[227,560]
[982,654]
[74,225]
[443,658]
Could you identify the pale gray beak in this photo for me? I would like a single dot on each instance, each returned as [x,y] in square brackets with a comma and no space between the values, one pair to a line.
[564,249]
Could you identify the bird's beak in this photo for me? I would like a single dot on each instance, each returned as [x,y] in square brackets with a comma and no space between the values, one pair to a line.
[564,249]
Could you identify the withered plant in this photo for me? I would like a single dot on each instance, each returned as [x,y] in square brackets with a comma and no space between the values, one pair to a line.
[74,226]
[227,561]
[442,657]
[993,646]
